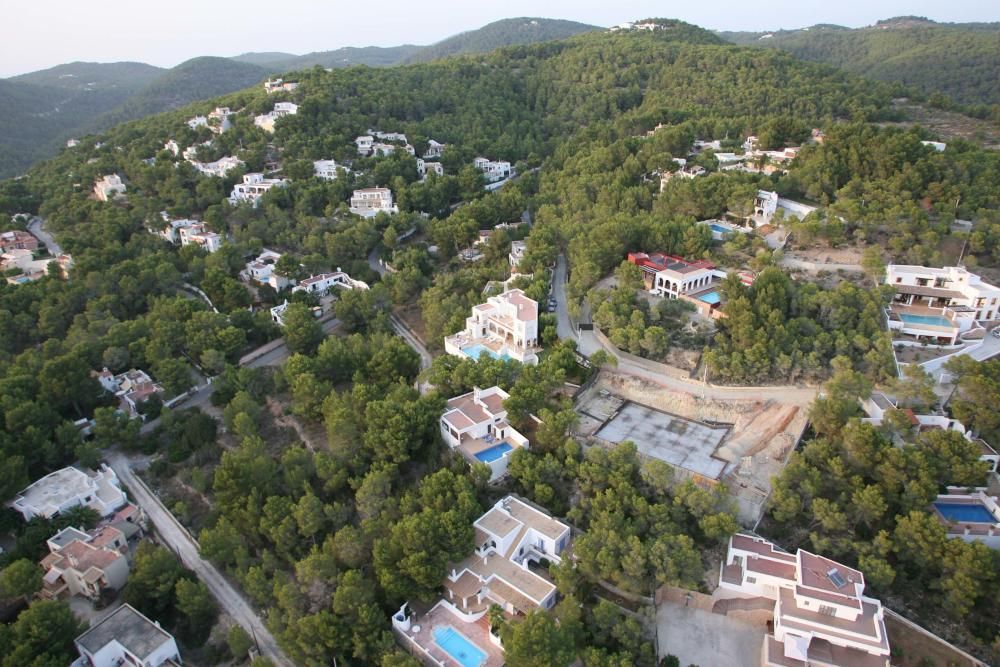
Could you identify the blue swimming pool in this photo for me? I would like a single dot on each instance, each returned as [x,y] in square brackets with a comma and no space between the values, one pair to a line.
[719,229]
[935,320]
[458,647]
[711,298]
[474,351]
[493,453]
[964,513]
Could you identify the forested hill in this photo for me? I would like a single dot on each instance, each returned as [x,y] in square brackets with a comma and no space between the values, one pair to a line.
[958,60]
[332,538]
[195,79]
[508,32]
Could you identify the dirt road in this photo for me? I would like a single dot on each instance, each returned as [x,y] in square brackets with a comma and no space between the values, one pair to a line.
[184,545]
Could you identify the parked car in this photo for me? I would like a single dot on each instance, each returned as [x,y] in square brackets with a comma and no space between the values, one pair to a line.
[552,305]
[996,332]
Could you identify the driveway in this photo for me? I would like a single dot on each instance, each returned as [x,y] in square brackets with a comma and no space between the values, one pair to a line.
[699,637]
[587,344]
[177,538]
[37,228]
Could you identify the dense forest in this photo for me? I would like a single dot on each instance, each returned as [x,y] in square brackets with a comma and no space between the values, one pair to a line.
[956,60]
[331,539]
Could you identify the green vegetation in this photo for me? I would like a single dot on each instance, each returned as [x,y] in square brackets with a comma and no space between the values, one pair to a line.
[957,60]
[853,495]
[507,32]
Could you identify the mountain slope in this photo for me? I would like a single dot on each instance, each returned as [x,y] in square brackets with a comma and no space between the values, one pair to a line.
[508,32]
[263,58]
[195,79]
[959,60]
[373,56]
[129,76]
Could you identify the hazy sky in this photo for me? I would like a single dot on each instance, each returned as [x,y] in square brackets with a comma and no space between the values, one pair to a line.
[44,33]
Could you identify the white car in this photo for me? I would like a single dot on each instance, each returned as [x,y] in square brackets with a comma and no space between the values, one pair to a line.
[996,332]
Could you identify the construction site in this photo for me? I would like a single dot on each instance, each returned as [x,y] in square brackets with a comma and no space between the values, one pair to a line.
[741,443]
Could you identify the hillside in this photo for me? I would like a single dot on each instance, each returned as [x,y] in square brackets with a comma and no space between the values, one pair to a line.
[959,60]
[195,79]
[263,58]
[126,76]
[329,498]
[508,32]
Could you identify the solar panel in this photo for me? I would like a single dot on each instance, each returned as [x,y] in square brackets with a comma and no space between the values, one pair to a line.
[836,578]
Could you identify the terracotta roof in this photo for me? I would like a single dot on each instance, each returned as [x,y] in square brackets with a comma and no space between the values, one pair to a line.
[498,523]
[771,567]
[813,572]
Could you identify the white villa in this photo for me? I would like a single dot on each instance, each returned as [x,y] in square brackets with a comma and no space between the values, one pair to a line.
[424,167]
[767,203]
[109,187]
[505,327]
[821,615]
[327,169]
[253,187]
[65,489]
[324,282]
[476,425]
[218,120]
[261,271]
[494,171]
[434,149]
[369,202]
[126,637]
[939,304]
[364,144]
[281,109]
[197,121]
[85,563]
[199,235]
[696,282]
[219,168]
[132,388]
[173,147]
[510,536]
[936,145]
[277,85]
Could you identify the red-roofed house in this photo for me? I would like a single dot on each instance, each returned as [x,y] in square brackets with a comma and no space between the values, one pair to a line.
[85,564]
[694,281]
[821,615]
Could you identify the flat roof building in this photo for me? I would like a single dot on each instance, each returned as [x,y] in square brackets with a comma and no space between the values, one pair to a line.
[127,637]
[70,487]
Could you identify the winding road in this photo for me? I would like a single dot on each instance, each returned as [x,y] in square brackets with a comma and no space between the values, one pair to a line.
[37,229]
[183,544]
[403,331]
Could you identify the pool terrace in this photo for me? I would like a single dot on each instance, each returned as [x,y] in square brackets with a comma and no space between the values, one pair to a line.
[923,322]
[494,452]
[419,638]
[973,517]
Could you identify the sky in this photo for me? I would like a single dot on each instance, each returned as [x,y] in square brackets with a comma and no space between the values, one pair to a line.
[42,34]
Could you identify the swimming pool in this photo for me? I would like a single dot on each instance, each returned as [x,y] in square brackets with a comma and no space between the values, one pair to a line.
[711,298]
[458,647]
[963,513]
[719,229]
[493,453]
[936,320]
[474,351]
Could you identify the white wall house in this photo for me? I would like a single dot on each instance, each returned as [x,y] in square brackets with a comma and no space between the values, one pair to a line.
[324,282]
[327,169]
[936,145]
[494,171]
[261,271]
[197,121]
[505,327]
[821,615]
[85,564]
[173,147]
[939,304]
[277,86]
[434,149]
[132,388]
[65,489]
[126,637]
[199,235]
[218,120]
[253,187]
[476,425]
[369,202]
[219,168]
[281,109]
[518,249]
[767,203]
[109,187]
[508,537]
[424,167]
[364,144]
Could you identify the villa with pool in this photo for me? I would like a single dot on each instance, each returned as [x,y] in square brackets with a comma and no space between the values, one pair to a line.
[514,541]
[476,425]
[973,517]
[939,305]
[694,281]
[505,327]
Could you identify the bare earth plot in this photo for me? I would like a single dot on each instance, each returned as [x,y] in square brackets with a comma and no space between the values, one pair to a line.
[739,442]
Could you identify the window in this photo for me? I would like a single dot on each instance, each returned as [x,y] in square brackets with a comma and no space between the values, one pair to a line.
[827,611]
[899,280]
[751,580]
